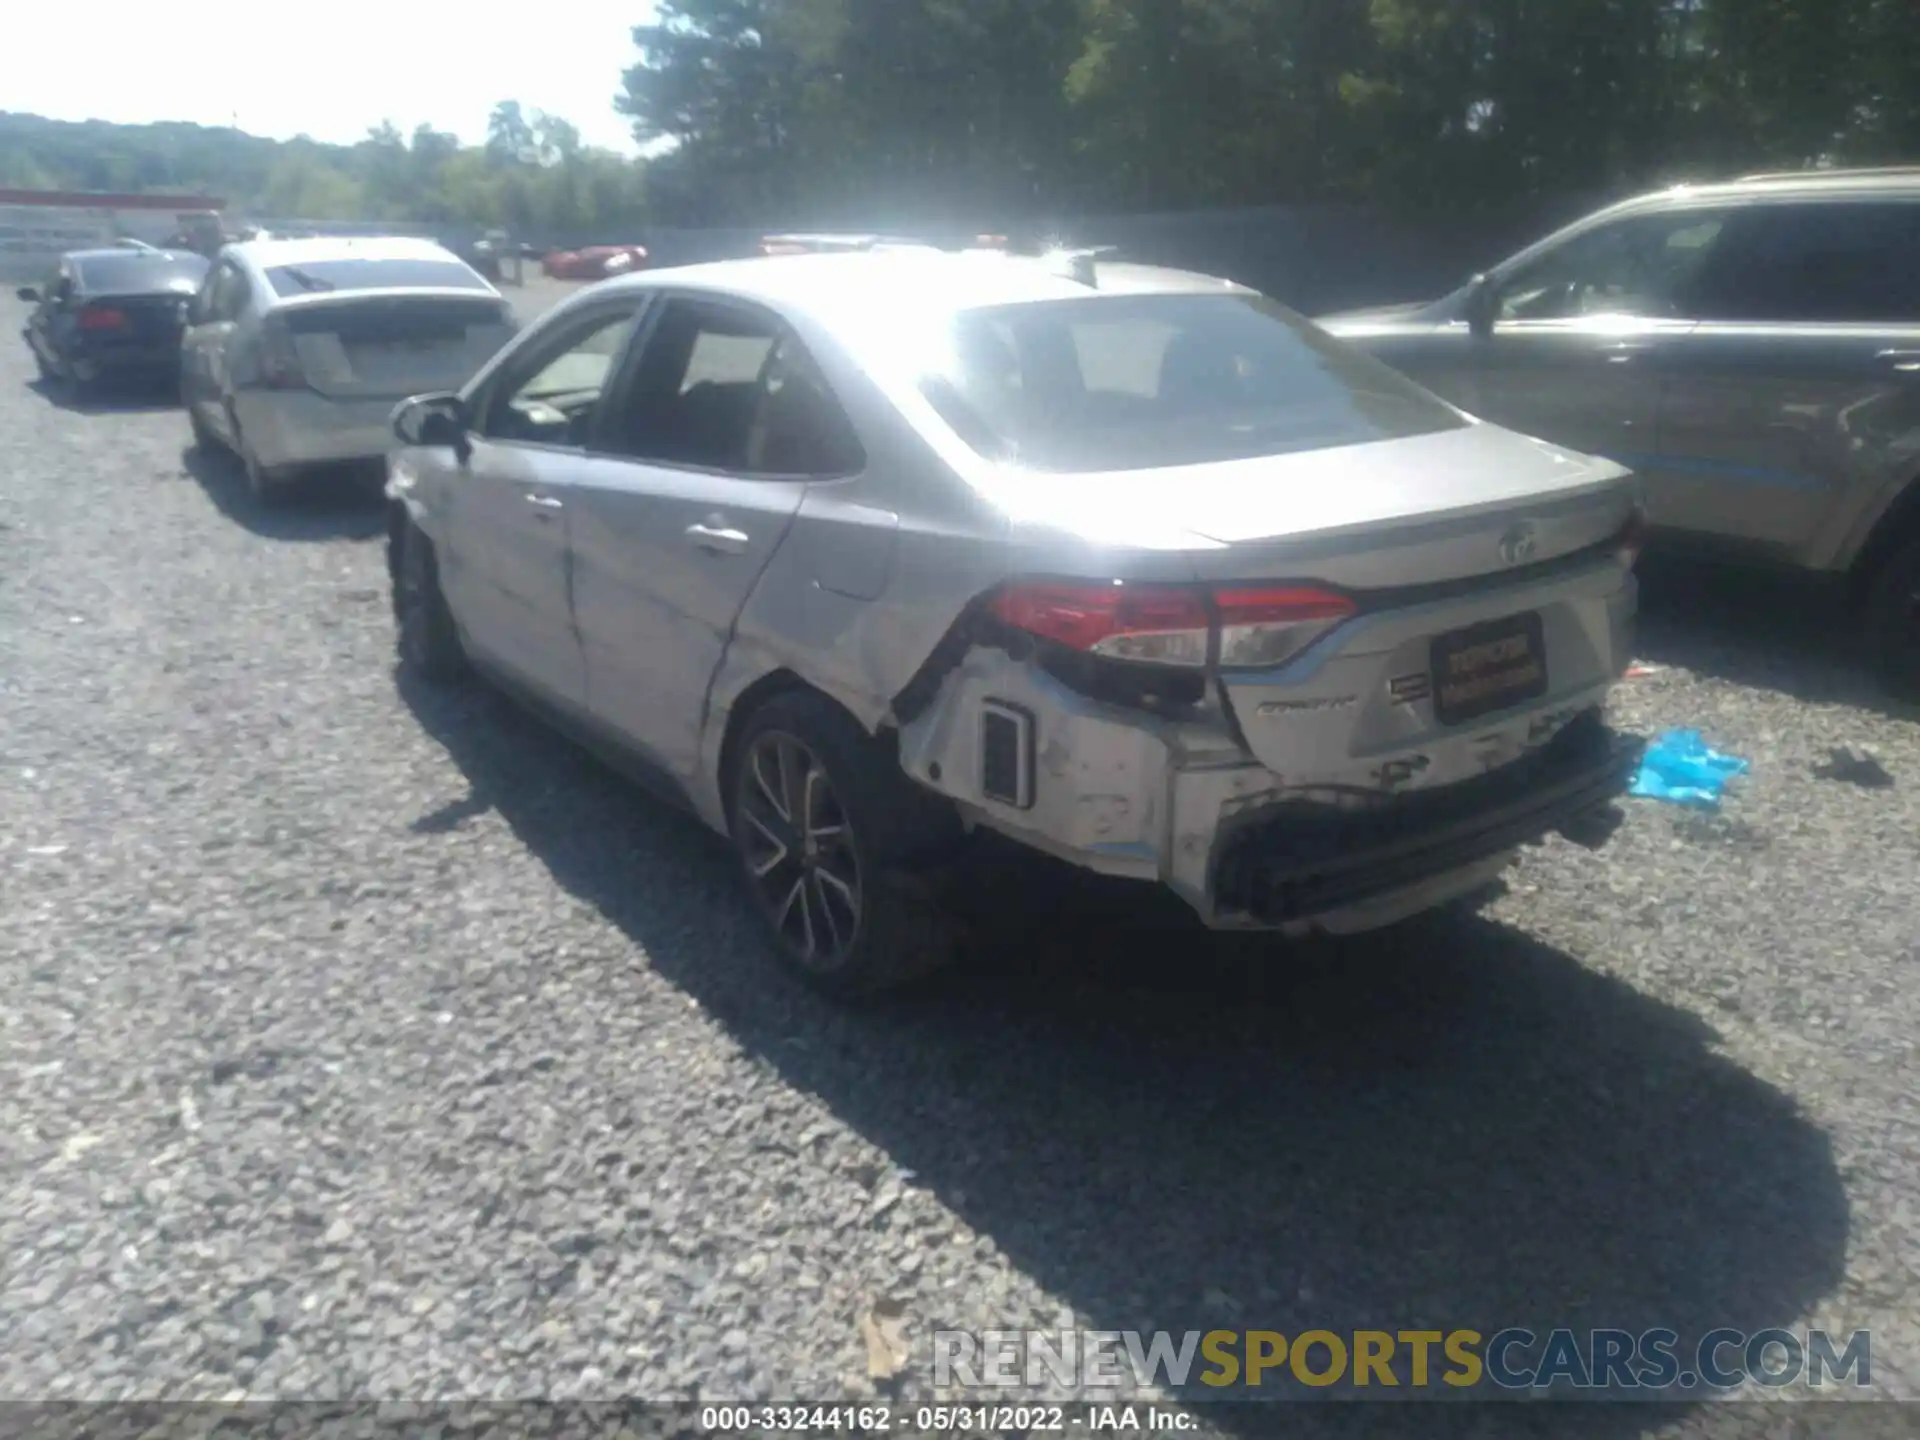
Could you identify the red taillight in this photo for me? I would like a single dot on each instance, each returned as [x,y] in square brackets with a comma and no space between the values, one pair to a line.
[1173,625]
[1632,538]
[102,318]
[1160,624]
[280,367]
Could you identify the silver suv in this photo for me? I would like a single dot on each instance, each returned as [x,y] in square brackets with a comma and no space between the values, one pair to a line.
[1751,350]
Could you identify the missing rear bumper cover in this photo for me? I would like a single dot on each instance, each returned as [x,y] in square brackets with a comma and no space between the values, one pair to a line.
[1293,862]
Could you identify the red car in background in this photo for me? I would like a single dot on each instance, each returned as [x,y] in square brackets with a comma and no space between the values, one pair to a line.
[594,262]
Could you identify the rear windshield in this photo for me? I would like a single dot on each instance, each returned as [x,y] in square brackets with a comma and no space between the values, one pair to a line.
[1134,382]
[137,271]
[358,273]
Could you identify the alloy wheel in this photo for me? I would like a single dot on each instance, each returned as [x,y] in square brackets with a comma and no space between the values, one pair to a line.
[799,849]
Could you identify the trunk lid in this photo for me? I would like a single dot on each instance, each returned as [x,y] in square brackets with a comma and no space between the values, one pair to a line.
[151,317]
[1396,513]
[392,344]
[1444,543]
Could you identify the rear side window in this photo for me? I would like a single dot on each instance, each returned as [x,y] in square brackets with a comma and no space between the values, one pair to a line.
[364,273]
[1839,262]
[137,273]
[1131,382]
[724,387]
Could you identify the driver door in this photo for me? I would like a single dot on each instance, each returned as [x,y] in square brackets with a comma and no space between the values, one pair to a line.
[1582,336]
[504,562]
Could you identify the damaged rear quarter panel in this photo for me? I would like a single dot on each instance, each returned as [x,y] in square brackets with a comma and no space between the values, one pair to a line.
[875,572]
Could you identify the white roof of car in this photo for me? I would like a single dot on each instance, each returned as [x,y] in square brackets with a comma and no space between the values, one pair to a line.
[340,247]
[837,288]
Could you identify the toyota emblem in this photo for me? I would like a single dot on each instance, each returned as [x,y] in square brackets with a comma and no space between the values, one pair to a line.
[1519,544]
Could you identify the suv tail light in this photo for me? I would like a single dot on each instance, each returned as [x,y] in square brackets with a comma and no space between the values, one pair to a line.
[102,317]
[1257,625]
[280,367]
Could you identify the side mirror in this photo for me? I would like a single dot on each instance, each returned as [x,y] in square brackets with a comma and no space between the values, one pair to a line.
[29,293]
[1483,305]
[432,420]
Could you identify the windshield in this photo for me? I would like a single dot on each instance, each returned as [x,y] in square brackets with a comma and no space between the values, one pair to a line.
[1132,382]
[360,273]
[140,270]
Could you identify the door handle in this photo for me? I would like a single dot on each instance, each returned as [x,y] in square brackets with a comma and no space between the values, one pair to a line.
[1905,361]
[545,506]
[718,538]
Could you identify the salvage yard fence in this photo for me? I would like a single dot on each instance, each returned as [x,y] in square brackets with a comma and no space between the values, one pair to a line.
[1315,258]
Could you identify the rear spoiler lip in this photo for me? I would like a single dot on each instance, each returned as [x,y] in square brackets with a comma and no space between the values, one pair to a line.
[327,299]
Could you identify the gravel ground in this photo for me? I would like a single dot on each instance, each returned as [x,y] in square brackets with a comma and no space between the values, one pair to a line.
[363,1043]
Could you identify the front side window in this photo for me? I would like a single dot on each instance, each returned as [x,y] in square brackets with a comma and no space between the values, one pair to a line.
[723,387]
[1841,263]
[548,394]
[1128,382]
[1639,267]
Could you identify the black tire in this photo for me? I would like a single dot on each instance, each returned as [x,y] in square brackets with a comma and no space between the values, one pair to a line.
[425,636]
[1893,621]
[268,486]
[842,892]
[203,438]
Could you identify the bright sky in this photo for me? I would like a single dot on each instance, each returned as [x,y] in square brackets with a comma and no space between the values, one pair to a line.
[329,71]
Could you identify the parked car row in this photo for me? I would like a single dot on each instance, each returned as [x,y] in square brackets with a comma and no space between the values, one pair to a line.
[289,353]
[867,545]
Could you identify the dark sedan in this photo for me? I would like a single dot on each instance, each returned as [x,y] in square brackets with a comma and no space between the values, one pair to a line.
[105,314]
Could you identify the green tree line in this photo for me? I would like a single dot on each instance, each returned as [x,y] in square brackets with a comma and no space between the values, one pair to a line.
[895,112]
[967,107]
[533,175]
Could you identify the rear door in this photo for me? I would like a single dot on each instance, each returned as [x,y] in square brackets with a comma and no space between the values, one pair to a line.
[504,561]
[1583,334]
[1780,404]
[719,426]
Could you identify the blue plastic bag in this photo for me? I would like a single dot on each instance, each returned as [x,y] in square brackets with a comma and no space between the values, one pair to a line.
[1683,769]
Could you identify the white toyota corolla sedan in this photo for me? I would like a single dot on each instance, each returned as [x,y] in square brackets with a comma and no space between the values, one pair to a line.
[854,554]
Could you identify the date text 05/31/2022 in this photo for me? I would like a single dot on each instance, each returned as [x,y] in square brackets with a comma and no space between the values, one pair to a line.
[942,1419]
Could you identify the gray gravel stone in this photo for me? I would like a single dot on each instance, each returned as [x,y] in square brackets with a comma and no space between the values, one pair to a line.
[361,1043]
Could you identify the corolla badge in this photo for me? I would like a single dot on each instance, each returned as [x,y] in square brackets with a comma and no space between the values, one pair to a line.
[1519,545]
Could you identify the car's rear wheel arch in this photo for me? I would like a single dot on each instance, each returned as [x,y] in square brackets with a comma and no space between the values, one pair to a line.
[1890,534]
[745,706]
[886,834]
[925,823]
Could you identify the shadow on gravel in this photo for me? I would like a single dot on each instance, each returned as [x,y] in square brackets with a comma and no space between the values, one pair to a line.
[334,503]
[1450,1126]
[1784,633]
[131,396]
